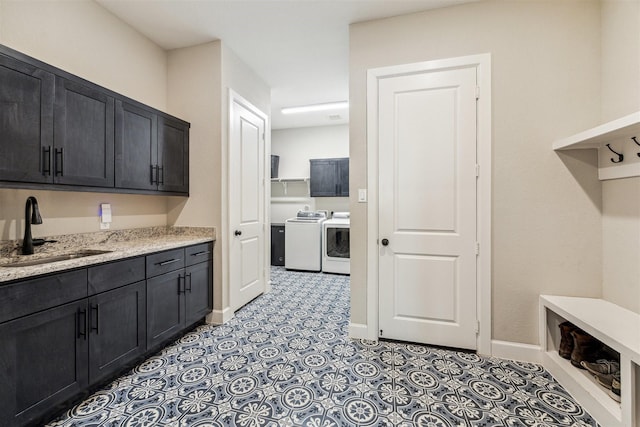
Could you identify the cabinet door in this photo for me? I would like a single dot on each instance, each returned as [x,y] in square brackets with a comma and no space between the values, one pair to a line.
[198,291]
[343,174]
[43,362]
[117,329]
[84,136]
[26,122]
[323,178]
[173,155]
[136,138]
[165,307]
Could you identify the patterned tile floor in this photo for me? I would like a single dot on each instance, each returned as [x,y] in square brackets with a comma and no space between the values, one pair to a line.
[285,360]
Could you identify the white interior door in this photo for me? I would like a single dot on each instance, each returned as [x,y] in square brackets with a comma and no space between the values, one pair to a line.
[427,207]
[246,203]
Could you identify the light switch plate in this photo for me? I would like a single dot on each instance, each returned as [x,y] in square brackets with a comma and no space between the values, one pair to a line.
[362,195]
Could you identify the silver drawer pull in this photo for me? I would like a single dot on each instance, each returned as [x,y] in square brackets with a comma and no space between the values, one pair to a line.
[171,261]
[201,253]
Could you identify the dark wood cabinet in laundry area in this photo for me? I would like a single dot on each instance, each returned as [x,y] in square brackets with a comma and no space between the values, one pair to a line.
[329,177]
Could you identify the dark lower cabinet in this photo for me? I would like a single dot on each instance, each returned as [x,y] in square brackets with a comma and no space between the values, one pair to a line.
[182,297]
[66,332]
[43,362]
[165,307]
[198,291]
[117,329]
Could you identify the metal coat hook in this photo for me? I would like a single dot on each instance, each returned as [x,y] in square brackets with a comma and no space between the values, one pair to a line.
[620,155]
[633,138]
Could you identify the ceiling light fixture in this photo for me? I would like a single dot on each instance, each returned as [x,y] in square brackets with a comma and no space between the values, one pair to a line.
[315,107]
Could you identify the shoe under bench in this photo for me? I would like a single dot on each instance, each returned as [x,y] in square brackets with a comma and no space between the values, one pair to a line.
[614,326]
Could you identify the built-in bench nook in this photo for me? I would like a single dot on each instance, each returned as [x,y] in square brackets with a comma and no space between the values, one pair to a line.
[615,327]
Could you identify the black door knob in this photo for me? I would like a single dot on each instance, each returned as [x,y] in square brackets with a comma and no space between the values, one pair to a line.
[385,242]
[237,233]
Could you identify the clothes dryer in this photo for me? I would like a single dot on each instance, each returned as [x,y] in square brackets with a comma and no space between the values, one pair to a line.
[336,252]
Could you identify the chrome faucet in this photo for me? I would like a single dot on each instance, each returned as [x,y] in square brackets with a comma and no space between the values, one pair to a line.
[31,216]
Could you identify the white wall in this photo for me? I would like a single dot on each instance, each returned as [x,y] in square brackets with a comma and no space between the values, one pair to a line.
[621,197]
[546,80]
[295,147]
[84,39]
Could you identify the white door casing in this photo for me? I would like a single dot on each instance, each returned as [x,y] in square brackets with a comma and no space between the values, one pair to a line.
[416,257]
[427,207]
[247,202]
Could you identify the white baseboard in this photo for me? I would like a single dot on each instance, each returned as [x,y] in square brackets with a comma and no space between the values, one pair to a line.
[516,351]
[358,331]
[219,317]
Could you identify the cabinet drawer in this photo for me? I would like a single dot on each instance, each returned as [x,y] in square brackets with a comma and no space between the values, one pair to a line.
[198,253]
[164,262]
[30,296]
[116,274]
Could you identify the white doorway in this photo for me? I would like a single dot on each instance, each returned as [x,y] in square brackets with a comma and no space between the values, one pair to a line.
[429,204]
[247,202]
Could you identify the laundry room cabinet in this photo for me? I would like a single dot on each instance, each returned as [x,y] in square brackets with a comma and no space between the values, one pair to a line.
[329,177]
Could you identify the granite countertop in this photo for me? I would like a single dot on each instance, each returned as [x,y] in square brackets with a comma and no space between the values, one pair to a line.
[120,244]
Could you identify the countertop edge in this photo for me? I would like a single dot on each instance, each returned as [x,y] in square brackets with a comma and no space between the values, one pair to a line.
[117,251]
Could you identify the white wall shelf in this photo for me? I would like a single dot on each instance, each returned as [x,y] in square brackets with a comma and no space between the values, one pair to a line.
[618,133]
[614,326]
[286,181]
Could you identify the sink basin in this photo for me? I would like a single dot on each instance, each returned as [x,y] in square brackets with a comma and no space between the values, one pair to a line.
[55,258]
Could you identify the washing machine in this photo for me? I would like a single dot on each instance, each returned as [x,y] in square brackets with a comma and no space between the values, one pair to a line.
[303,241]
[336,253]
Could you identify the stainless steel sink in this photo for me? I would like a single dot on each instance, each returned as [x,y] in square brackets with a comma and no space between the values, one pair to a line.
[55,258]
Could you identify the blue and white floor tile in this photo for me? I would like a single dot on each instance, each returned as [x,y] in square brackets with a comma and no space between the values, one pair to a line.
[285,360]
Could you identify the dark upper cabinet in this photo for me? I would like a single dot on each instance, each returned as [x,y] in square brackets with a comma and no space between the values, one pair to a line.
[64,131]
[329,177]
[43,360]
[173,155]
[117,329]
[84,136]
[152,151]
[26,121]
[136,147]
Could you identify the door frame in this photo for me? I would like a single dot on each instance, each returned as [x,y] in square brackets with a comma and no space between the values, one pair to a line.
[482,63]
[235,98]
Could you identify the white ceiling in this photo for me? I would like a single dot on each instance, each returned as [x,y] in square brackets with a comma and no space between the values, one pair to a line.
[300,48]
